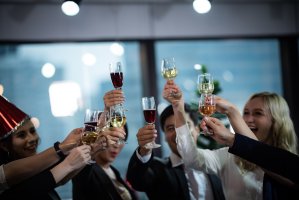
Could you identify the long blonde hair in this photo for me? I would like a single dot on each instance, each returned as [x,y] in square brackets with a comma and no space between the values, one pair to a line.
[283,134]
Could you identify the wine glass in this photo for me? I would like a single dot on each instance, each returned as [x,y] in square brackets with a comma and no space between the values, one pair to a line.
[149,112]
[116,75]
[90,130]
[118,118]
[205,83]
[206,107]
[169,72]
[168,68]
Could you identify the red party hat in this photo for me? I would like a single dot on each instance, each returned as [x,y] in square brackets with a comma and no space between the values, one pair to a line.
[11,118]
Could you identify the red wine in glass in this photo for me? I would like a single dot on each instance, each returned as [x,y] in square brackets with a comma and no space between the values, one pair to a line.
[90,126]
[117,79]
[150,116]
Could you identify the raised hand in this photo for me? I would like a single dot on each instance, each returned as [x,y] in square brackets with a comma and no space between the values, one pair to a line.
[145,135]
[113,97]
[113,134]
[78,157]
[219,132]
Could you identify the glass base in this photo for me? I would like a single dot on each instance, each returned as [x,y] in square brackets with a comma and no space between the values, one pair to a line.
[152,145]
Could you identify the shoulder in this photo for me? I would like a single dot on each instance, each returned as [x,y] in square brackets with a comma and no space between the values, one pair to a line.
[161,161]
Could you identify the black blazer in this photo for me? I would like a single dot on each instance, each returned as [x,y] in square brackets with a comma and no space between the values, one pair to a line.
[271,158]
[162,181]
[40,186]
[93,183]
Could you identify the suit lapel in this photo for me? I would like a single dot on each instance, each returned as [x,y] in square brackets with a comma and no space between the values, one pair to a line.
[180,174]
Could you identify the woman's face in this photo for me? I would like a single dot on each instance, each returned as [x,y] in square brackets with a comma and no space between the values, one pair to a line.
[258,118]
[24,141]
[107,156]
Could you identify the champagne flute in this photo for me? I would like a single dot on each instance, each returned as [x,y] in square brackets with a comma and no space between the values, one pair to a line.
[116,75]
[205,83]
[149,112]
[206,107]
[118,118]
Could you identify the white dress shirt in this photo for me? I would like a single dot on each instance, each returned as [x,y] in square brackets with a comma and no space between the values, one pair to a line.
[198,182]
[236,185]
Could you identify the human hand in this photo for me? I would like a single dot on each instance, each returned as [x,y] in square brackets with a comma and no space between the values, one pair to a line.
[172,94]
[113,97]
[78,157]
[113,134]
[72,140]
[219,132]
[145,135]
[223,106]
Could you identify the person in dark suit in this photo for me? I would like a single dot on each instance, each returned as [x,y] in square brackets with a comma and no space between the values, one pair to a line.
[101,180]
[166,178]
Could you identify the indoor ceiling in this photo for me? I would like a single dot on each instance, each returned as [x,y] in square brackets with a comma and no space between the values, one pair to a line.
[140,1]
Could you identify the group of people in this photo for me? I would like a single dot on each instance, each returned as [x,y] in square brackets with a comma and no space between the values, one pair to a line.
[259,160]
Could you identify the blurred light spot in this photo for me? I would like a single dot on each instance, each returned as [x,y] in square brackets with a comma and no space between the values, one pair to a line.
[228,76]
[88,59]
[70,8]
[117,49]
[65,98]
[35,122]
[197,66]
[48,70]
[202,6]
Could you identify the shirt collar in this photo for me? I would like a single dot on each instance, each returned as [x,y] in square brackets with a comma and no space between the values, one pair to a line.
[175,160]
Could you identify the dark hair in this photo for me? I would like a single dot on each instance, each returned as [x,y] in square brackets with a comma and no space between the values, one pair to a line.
[168,111]
[5,156]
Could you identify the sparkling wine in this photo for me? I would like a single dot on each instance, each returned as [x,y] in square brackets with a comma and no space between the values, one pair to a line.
[117,79]
[89,137]
[118,121]
[149,116]
[170,73]
[207,110]
[205,88]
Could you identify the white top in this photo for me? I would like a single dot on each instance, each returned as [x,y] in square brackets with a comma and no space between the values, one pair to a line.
[198,182]
[236,186]
[3,183]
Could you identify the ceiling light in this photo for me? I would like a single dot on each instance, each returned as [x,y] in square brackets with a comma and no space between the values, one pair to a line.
[202,6]
[70,7]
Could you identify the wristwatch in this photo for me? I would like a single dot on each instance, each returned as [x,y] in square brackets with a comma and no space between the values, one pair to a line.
[59,151]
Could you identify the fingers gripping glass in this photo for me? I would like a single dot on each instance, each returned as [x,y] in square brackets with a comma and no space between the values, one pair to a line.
[169,72]
[206,107]
[149,112]
[91,132]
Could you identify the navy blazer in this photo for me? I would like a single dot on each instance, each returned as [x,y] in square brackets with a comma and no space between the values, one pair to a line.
[159,180]
[273,159]
[93,183]
[268,157]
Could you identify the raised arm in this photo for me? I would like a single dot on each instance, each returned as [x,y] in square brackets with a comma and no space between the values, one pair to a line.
[19,170]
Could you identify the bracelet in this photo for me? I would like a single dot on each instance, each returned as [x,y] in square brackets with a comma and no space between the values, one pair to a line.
[59,151]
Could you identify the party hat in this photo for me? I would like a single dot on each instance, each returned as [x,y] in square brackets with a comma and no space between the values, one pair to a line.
[11,118]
